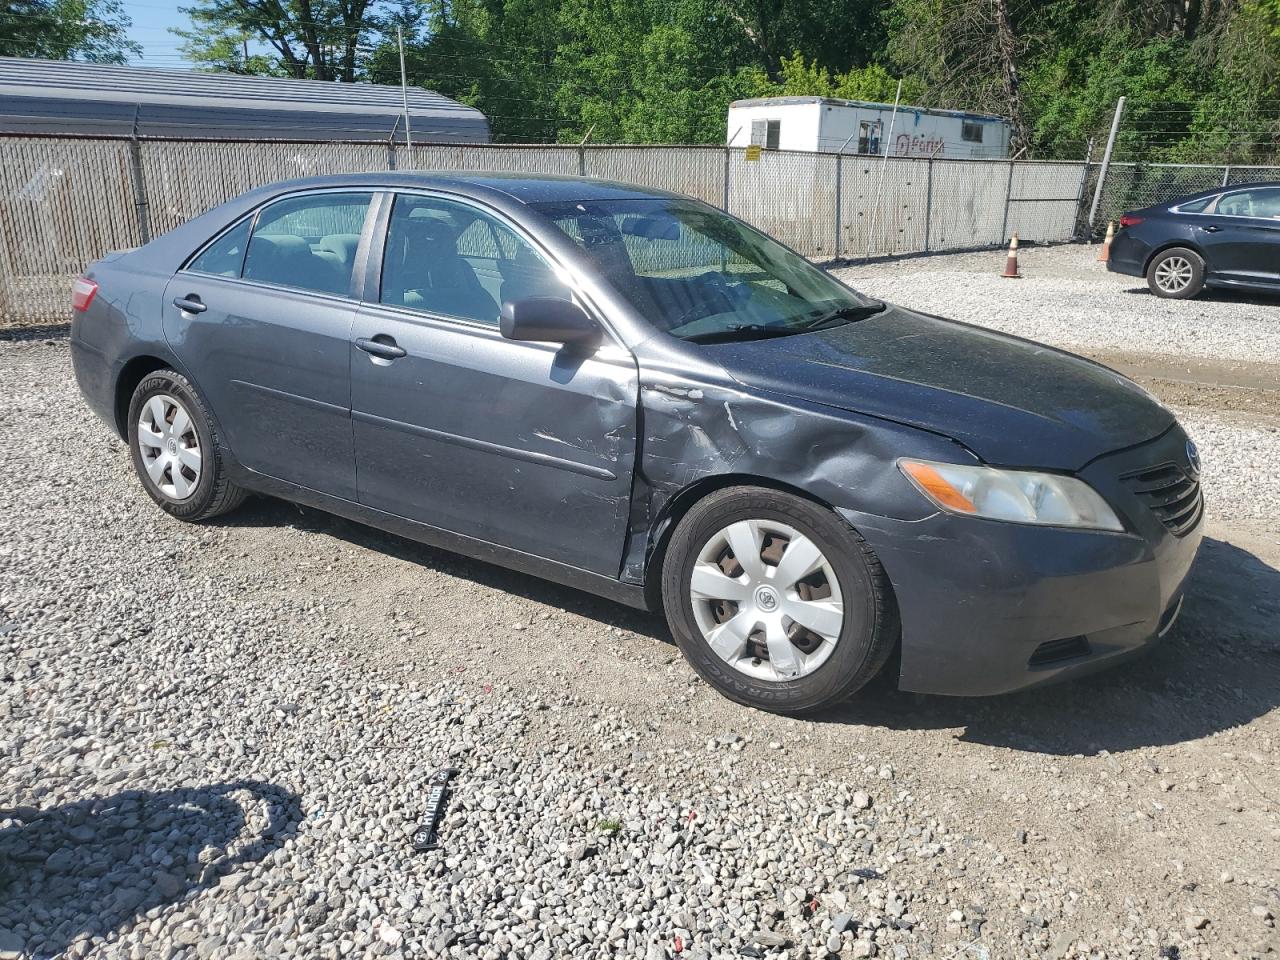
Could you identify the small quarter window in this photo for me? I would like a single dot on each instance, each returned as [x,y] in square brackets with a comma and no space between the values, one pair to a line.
[1195,206]
[225,256]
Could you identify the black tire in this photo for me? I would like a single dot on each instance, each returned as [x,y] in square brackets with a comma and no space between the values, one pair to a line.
[1158,269]
[867,636]
[212,493]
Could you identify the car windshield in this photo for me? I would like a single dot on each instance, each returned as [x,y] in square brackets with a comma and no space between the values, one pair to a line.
[702,276]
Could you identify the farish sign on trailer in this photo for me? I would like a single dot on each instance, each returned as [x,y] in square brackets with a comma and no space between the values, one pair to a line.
[824,125]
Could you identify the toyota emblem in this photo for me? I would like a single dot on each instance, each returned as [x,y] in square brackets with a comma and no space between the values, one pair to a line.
[1193,458]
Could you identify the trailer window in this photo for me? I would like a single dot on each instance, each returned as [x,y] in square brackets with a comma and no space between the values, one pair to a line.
[765,133]
[971,131]
[869,136]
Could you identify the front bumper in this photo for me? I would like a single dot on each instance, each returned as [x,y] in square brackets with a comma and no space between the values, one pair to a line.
[990,607]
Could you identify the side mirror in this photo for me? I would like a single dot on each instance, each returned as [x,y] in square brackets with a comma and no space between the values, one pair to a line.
[548,320]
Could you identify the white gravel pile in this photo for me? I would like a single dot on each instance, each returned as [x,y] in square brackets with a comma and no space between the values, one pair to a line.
[1066,298]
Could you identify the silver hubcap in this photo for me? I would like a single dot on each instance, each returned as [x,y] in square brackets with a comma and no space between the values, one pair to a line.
[169,446]
[766,600]
[1173,275]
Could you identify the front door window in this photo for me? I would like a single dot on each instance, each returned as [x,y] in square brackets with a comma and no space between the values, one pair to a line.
[452,260]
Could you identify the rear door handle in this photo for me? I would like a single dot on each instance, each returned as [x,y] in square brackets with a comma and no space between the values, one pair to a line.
[1211,229]
[381,346]
[189,304]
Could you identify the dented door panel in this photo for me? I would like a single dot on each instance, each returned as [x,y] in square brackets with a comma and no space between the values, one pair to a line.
[519,444]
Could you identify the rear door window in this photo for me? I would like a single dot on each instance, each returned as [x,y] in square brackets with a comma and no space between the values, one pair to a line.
[308,242]
[1263,203]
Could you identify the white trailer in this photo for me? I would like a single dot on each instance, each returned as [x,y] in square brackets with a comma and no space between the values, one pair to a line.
[824,125]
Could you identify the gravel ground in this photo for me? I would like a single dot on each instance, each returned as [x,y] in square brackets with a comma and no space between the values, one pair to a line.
[215,742]
[1065,297]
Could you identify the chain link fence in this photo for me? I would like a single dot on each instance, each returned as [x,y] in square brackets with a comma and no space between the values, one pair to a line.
[1132,186]
[65,202]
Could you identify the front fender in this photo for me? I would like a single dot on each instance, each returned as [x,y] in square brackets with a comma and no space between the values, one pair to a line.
[695,438]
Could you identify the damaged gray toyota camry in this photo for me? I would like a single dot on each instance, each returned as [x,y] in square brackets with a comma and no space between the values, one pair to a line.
[630,392]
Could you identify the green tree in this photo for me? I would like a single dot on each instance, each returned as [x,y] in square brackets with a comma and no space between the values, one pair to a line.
[91,30]
[306,39]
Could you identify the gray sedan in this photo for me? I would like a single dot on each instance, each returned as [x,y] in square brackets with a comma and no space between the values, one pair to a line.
[635,394]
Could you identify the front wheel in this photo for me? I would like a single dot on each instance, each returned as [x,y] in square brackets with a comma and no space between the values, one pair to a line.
[775,601]
[1177,274]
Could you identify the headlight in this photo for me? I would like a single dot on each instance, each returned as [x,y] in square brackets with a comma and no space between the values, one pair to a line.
[1018,496]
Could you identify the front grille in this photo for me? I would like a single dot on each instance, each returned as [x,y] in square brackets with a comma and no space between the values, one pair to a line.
[1171,494]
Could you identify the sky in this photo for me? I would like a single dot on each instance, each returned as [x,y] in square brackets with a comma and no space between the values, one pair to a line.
[151,22]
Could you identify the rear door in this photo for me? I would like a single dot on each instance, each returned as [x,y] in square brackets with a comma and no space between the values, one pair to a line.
[1241,238]
[262,319]
[526,445]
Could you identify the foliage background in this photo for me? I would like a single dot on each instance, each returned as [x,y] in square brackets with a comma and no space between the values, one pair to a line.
[1202,77]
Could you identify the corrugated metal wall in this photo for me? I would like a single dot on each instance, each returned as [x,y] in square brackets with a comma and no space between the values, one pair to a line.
[65,202]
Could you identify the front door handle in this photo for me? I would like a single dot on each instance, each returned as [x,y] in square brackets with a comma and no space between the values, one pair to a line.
[381,346]
[189,304]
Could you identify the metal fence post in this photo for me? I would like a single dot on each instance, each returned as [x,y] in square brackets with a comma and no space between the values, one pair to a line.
[839,168]
[582,151]
[928,203]
[1084,177]
[725,203]
[1106,163]
[139,184]
[1008,198]
[1226,175]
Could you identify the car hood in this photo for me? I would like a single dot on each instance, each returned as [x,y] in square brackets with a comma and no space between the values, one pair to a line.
[1011,401]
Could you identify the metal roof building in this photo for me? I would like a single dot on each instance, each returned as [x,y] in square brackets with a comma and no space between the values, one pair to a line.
[66,98]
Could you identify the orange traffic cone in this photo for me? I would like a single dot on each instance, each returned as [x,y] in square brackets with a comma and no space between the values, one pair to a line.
[1105,253]
[1011,261]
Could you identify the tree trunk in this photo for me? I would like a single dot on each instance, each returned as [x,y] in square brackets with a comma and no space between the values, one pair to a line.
[1009,74]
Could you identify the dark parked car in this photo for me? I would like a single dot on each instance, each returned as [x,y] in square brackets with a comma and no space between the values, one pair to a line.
[1228,237]
[630,392]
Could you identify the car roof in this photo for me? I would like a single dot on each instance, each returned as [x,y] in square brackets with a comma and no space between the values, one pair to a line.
[526,188]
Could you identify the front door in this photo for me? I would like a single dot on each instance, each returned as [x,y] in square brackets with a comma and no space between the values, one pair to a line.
[527,445]
[266,334]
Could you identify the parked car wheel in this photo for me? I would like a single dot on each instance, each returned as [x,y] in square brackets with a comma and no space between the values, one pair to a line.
[176,451]
[1176,273]
[775,601]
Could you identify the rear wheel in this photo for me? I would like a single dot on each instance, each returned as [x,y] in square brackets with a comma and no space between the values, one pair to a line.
[176,450]
[1177,273]
[775,601]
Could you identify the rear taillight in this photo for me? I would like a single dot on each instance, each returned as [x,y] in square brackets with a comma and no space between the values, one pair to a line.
[82,291]
[1129,220]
